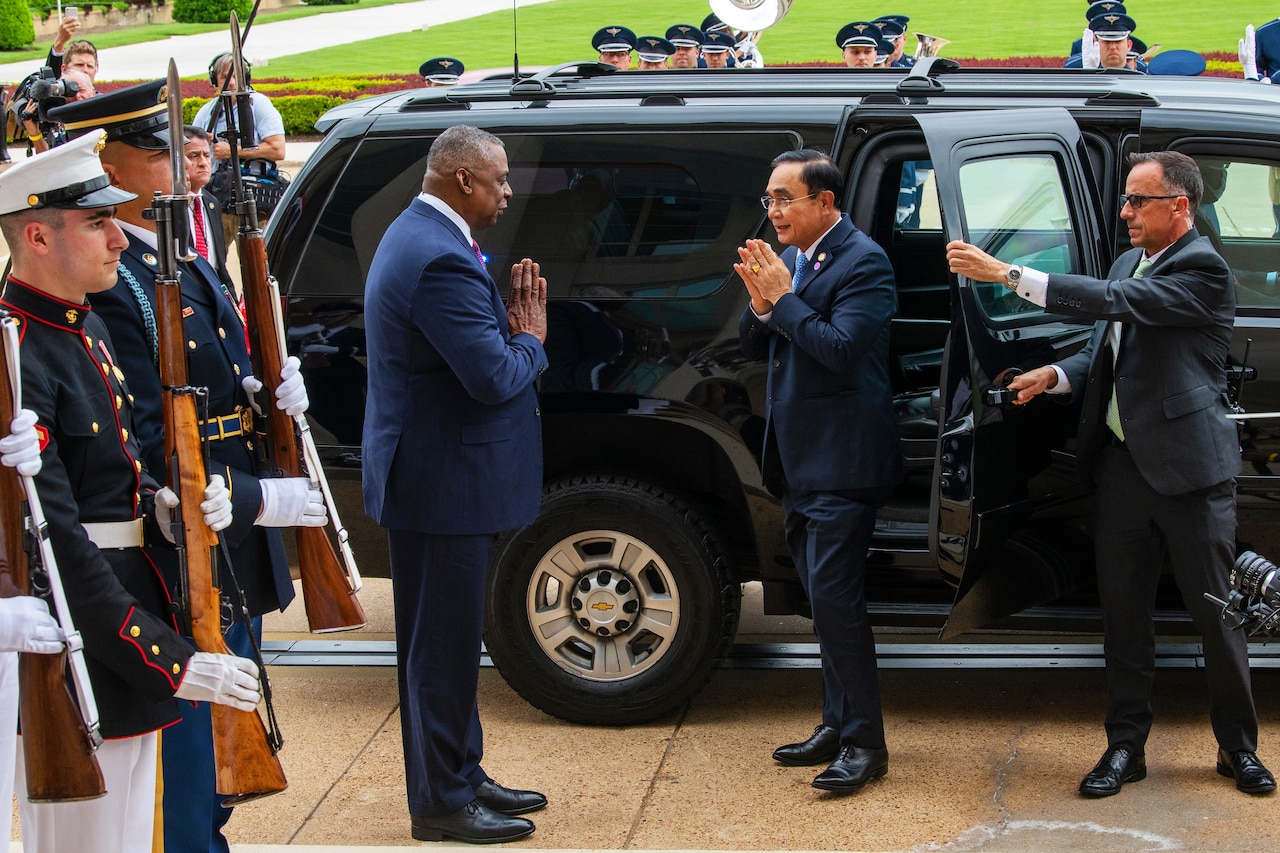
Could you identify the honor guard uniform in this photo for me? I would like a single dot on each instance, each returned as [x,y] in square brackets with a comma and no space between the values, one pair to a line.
[687,41]
[97,497]
[654,53]
[712,24]
[717,50]
[136,124]
[1112,31]
[894,28]
[1098,7]
[1267,49]
[441,71]
[1137,47]
[614,45]
[858,41]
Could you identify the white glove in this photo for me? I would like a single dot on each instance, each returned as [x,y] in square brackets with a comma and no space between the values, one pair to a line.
[252,385]
[21,447]
[26,626]
[291,394]
[291,502]
[225,679]
[904,213]
[216,507]
[1090,56]
[1249,54]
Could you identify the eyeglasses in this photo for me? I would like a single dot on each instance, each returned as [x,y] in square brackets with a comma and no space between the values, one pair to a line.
[1137,201]
[768,201]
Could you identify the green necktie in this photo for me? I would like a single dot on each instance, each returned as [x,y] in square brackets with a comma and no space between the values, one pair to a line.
[1113,410]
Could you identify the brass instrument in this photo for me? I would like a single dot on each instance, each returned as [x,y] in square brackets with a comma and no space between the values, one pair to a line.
[929,45]
[751,16]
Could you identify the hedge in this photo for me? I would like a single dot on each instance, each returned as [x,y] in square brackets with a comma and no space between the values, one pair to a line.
[16,29]
[209,11]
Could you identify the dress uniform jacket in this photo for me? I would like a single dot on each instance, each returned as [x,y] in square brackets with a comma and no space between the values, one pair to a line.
[217,358]
[91,473]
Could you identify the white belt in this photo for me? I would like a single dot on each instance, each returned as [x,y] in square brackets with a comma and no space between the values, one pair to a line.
[115,534]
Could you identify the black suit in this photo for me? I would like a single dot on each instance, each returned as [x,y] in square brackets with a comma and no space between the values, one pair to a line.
[1170,490]
[831,449]
[217,239]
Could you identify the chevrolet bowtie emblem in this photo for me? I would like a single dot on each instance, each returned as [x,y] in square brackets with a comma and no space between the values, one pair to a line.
[72,314]
[600,605]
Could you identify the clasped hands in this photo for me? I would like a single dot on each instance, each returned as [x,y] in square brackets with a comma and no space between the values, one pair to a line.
[527,304]
[765,275]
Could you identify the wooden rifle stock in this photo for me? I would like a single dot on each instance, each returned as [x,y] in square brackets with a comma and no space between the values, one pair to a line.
[330,601]
[56,745]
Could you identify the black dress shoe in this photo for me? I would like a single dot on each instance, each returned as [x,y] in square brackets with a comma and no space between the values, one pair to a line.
[854,767]
[1118,765]
[1251,775]
[508,801]
[824,746]
[474,824]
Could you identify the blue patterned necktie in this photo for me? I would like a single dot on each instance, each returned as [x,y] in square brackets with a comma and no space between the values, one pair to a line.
[1113,410]
[801,263]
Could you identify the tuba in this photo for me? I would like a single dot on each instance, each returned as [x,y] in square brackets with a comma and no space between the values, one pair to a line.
[929,45]
[750,16]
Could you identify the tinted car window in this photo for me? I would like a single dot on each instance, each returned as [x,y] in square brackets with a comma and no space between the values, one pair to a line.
[605,214]
[1239,213]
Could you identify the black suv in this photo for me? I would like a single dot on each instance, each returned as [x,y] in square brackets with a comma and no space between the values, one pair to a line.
[633,191]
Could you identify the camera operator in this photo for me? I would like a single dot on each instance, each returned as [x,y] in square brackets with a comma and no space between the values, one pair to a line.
[43,92]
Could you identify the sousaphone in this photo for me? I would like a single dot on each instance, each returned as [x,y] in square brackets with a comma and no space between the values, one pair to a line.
[750,16]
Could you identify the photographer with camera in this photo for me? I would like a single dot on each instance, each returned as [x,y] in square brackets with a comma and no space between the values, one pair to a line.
[41,92]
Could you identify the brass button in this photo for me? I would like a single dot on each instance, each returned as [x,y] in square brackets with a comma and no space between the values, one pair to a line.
[124,435]
[137,465]
[248,444]
[106,368]
[119,401]
[222,333]
[191,344]
[176,669]
[236,368]
[135,631]
[155,650]
[88,341]
[130,399]
[94,426]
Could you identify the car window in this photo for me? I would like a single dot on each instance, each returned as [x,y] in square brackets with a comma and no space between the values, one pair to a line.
[1240,213]
[1015,208]
[635,215]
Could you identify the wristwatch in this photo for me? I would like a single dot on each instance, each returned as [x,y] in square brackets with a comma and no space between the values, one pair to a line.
[1013,278]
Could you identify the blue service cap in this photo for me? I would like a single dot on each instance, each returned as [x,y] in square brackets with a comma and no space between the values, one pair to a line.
[684,35]
[1138,47]
[712,24]
[654,48]
[444,70]
[1104,7]
[1112,27]
[889,27]
[613,40]
[884,47]
[136,116]
[858,34]
[716,42]
[1177,63]
[900,20]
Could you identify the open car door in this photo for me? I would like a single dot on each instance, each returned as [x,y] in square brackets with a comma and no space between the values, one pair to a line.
[1015,184]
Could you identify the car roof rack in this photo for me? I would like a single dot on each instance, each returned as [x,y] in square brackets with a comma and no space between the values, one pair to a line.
[540,84]
[924,75]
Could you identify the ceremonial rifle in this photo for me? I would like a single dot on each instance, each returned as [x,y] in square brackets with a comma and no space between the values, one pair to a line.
[328,591]
[245,759]
[58,738]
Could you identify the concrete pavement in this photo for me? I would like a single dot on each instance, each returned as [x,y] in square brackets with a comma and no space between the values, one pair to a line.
[270,41]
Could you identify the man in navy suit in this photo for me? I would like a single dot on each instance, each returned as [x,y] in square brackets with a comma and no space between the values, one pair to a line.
[820,313]
[1155,440]
[452,455]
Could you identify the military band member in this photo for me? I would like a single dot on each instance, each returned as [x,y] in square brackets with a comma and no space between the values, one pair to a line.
[614,45]
[1097,7]
[687,41]
[442,71]
[894,28]
[712,24]
[654,53]
[1112,32]
[99,501]
[136,157]
[717,49]
[858,42]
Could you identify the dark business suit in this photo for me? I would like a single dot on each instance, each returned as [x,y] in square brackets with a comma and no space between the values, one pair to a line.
[217,239]
[452,455]
[831,449]
[1170,490]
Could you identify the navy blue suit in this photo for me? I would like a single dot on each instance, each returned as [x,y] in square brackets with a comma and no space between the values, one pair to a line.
[217,358]
[452,454]
[831,451]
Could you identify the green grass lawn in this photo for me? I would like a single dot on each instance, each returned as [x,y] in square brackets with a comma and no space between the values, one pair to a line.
[561,31]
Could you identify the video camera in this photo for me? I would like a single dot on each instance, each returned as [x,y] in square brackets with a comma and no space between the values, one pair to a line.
[1254,600]
[36,95]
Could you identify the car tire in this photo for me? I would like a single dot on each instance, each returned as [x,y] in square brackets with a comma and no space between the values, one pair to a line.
[614,606]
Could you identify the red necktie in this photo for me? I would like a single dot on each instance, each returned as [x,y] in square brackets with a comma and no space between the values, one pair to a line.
[202,245]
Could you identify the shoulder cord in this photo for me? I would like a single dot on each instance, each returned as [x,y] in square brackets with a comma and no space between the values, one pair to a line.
[148,313]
